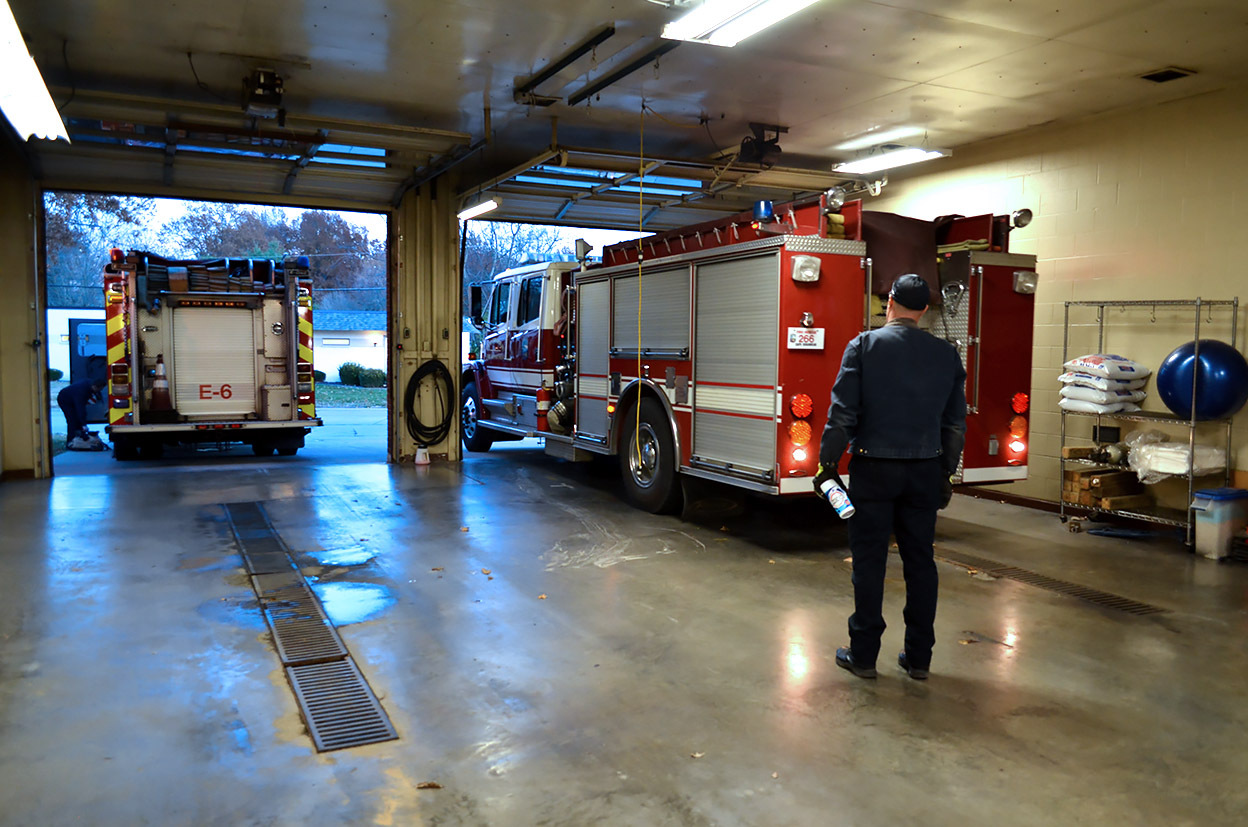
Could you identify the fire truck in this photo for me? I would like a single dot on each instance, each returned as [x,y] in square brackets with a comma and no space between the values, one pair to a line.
[710,351]
[208,351]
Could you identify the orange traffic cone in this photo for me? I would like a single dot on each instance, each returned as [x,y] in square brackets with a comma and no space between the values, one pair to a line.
[160,387]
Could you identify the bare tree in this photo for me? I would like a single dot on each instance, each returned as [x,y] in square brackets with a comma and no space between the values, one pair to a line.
[491,247]
[80,229]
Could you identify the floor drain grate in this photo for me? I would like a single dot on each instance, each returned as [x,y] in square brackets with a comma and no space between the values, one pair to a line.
[300,629]
[340,707]
[337,704]
[1031,578]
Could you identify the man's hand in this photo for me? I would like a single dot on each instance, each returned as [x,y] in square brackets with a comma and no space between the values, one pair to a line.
[946,492]
[823,475]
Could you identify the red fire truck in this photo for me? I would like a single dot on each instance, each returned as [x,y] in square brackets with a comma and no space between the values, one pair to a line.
[208,351]
[710,351]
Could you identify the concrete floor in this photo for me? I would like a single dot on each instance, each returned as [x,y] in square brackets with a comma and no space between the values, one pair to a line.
[138,684]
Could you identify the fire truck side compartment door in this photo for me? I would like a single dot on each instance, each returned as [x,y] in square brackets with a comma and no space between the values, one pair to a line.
[735,362]
[592,332]
[215,353]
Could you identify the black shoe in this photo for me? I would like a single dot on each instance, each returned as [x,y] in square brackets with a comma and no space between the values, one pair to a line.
[913,671]
[845,660]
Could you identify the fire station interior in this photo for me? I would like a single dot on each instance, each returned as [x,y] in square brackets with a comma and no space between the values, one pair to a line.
[499,638]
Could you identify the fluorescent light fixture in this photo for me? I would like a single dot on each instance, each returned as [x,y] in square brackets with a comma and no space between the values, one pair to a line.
[888,136]
[23,96]
[728,22]
[890,159]
[480,208]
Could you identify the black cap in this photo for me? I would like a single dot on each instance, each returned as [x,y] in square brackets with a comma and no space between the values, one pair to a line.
[911,292]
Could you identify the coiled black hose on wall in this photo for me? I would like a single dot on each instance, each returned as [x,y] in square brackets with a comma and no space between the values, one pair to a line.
[427,435]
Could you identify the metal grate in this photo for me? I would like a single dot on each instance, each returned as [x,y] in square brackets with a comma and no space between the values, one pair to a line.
[338,705]
[1031,578]
[301,632]
[336,702]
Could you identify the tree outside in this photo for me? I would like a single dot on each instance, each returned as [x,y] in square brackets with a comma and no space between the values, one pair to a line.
[348,266]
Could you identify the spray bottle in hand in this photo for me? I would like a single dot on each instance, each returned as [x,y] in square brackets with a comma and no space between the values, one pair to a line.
[829,487]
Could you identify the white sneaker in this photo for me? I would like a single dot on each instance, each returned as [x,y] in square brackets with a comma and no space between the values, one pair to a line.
[78,444]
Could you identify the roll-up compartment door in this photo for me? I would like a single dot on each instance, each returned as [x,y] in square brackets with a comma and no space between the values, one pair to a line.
[737,324]
[664,311]
[592,329]
[214,354]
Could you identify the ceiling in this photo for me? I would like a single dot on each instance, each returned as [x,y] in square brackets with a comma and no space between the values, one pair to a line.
[426,87]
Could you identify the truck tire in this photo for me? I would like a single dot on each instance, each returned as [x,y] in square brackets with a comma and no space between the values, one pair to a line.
[648,459]
[151,449]
[475,437]
[263,449]
[124,449]
[287,450]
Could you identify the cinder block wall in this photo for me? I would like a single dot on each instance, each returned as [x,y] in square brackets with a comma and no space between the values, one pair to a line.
[1147,204]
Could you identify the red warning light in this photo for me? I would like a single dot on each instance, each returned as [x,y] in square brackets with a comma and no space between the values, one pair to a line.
[801,405]
[1020,403]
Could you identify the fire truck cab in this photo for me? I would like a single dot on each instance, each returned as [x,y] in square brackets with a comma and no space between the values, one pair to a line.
[710,351]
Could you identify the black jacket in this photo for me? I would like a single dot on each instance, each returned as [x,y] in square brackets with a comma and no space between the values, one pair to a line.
[900,394]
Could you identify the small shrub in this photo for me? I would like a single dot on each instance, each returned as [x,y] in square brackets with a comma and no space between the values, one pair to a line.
[372,378]
[54,375]
[349,373]
[318,375]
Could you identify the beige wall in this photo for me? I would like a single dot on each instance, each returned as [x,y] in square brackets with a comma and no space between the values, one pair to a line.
[1150,204]
[22,391]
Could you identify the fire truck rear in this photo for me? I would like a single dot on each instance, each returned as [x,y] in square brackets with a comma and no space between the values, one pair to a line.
[710,351]
[208,351]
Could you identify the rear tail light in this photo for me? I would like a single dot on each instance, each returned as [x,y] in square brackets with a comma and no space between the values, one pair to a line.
[1018,427]
[1017,445]
[800,433]
[801,405]
[1020,403]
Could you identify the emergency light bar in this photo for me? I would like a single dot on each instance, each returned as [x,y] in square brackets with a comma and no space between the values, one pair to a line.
[728,22]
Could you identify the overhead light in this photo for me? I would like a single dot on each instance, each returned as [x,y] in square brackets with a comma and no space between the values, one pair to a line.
[728,22]
[480,208]
[24,97]
[890,158]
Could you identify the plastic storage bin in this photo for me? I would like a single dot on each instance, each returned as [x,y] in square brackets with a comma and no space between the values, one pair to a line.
[1221,513]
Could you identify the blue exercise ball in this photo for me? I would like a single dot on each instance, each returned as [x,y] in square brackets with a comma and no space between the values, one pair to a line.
[1221,384]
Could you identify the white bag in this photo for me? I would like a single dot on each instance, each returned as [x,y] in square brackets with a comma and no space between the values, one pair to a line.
[1108,364]
[1103,397]
[1153,463]
[1084,406]
[1104,383]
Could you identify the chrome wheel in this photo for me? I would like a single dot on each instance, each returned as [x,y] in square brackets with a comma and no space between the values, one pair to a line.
[644,456]
[468,418]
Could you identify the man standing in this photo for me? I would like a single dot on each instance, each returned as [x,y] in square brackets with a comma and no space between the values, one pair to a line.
[899,403]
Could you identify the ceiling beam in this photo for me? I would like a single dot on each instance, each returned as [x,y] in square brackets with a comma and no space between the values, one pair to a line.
[652,54]
[524,93]
[308,155]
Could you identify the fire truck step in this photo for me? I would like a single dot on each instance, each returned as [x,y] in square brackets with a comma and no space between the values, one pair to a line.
[336,702]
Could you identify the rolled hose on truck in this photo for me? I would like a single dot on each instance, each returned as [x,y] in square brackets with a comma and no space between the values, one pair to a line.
[428,435]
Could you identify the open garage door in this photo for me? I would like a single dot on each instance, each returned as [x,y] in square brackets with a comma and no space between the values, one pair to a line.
[124,143]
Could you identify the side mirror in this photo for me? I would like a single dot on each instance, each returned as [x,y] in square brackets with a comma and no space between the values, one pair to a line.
[474,304]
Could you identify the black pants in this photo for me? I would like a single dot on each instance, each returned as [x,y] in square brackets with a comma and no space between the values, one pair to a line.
[901,497]
[74,406]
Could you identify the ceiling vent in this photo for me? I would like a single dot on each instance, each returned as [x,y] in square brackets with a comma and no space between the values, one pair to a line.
[1167,74]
